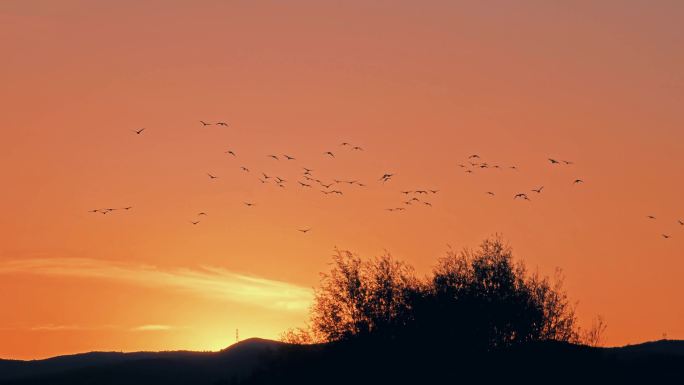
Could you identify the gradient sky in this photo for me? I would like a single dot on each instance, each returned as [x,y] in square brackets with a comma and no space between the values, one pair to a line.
[419,85]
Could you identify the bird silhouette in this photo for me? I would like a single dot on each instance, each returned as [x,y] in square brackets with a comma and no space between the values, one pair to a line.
[666,236]
[326,185]
[329,153]
[94,211]
[212,176]
[553,161]
[386,177]
[338,192]
[357,148]
[280,180]
[307,170]
[230,152]
[514,168]
[538,190]
[261,180]
[681,222]
[205,123]
[194,222]
[345,144]
[127,208]
[140,131]
[650,217]
[248,204]
[490,193]
[474,156]
[577,181]
[434,191]
[567,162]
[288,157]
[427,204]
[304,230]
[273,156]
[243,168]
[201,214]
[222,124]
[303,184]
[469,171]
[407,192]
[265,176]
[521,195]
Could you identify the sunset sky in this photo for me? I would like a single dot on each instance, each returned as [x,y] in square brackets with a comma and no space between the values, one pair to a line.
[419,86]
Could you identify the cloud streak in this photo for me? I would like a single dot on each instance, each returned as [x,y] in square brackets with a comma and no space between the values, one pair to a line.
[206,281]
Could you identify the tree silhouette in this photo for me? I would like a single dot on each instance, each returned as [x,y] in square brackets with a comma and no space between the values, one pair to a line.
[475,299]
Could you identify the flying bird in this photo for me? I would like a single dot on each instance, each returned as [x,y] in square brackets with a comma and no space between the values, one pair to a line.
[273,156]
[666,236]
[127,208]
[303,184]
[202,213]
[577,181]
[553,161]
[265,176]
[567,162]
[307,170]
[288,157]
[230,152]
[345,144]
[304,230]
[205,123]
[474,156]
[194,222]
[248,204]
[222,124]
[650,217]
[329,153]
[357,148]
[212,176]
[140,131]
[681,222]
[94,211]
[521,195]
[243,168]
[280,180]
[490,193]
[538,190]
[427,204]
[386,177]
[434,191]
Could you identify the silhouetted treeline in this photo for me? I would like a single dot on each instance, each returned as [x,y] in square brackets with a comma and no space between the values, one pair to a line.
[474,300]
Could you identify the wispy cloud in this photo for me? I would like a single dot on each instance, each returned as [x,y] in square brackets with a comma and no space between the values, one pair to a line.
[205,281]
[152,328]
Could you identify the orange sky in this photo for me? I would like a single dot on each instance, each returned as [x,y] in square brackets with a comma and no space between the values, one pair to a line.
[419,87]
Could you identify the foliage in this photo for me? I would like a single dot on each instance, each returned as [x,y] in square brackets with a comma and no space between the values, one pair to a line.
[478,299]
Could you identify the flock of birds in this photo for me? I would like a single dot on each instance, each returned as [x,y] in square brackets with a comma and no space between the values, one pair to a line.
[417,197]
